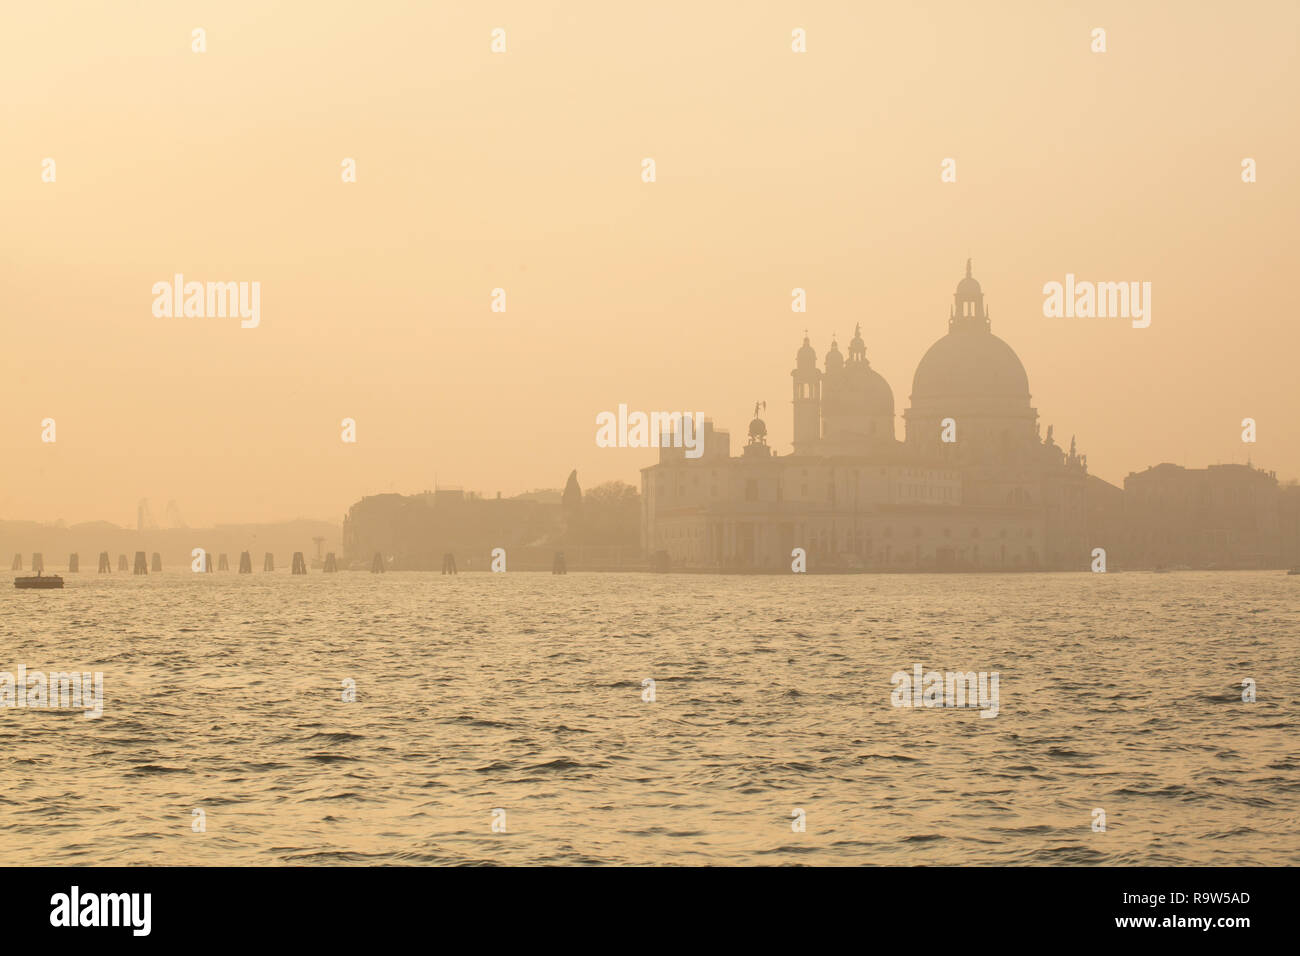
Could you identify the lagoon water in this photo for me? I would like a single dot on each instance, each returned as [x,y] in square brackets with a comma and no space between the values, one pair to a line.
[223,693]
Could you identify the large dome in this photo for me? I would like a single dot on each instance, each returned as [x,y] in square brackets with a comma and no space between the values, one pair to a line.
[967,363]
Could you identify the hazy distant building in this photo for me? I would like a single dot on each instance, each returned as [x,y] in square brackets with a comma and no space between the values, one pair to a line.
[1223,516]
[1288,511]
[995,494]
[414,532]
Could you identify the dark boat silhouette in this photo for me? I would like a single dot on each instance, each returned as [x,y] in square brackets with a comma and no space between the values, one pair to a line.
[39,581]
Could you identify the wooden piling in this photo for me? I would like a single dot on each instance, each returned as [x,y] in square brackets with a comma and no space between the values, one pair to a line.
[299,564]
[558,566]
[141,564]
[268,563]
[331,563]
[38,562]
[207,561]
[105,565]
[74,563]
[448,563]
[377,566]
[223,563]
[156,566]
[245,562]
[18,563]
[121,562]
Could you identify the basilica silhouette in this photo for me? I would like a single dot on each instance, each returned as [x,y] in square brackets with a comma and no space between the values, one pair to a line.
[973,485]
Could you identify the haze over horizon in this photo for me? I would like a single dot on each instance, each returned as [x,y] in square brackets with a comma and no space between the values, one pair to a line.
[522,171]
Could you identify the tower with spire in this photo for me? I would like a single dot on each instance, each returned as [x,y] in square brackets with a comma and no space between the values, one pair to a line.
[807,380]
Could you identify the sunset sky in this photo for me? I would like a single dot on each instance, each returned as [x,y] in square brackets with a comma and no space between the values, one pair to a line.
[522,170]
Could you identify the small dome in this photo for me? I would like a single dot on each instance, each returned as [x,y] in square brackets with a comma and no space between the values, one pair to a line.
[806,357]
[867,392]
[757,429]
[834,359]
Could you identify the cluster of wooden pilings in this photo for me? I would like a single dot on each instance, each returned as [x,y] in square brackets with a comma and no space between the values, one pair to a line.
[153,563]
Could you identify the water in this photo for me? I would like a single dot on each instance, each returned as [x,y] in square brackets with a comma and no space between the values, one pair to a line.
[524,692]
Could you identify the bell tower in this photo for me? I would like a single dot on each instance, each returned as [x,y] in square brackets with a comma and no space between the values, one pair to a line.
[807,400]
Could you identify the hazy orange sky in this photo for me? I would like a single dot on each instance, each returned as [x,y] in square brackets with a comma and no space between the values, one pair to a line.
[522,170]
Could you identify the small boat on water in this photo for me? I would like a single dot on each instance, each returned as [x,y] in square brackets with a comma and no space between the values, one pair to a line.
[39,581]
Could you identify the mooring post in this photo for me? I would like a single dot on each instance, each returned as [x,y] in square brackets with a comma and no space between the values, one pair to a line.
[74,563]
[223,563]
[207,561]
[331,563]
[268,563]
[299,564]
[245,563]
[448,563]
[18,563]
[377,566]
[121,562]
[141,565]
[558,566]
[157,563]
[38,562]
[105,565]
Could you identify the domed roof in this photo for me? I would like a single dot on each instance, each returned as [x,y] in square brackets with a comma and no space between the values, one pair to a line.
[859,390]
[834,358]
[970,362]
[968,287]
[806,357]
[878,397]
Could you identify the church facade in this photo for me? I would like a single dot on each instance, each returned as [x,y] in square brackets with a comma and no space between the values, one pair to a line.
[973,485]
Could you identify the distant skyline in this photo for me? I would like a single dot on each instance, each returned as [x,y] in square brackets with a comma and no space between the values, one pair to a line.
[477,171]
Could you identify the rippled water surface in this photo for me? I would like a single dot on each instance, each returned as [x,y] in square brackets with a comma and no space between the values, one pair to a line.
[523,692]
